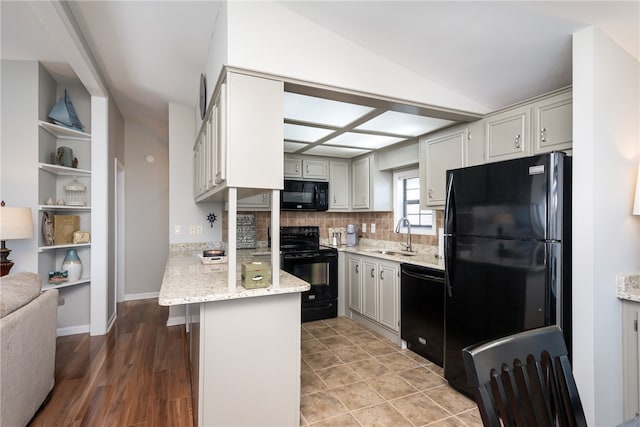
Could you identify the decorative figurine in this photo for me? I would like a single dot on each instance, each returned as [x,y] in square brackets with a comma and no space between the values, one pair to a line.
[211,218]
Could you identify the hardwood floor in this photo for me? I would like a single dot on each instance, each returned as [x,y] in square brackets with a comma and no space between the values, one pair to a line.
[137,375]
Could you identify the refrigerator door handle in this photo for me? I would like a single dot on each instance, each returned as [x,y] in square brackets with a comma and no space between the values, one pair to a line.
[449,253]
[449,212]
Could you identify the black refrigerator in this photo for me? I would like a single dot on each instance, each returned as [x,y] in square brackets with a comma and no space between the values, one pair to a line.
[507,253]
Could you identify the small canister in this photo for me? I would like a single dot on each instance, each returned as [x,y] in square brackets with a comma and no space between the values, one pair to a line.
[255,275]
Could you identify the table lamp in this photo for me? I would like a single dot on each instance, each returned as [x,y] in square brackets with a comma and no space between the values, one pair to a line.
[15,223]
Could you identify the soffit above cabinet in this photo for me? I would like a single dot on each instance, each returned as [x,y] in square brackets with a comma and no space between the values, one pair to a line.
[328,127]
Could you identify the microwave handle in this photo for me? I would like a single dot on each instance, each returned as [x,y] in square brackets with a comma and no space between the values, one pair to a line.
[316,194]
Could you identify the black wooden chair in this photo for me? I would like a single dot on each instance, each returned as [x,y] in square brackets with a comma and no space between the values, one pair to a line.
[524,379]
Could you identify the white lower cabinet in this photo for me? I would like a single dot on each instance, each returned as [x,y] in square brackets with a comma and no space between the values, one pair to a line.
[354,282]
[374,290]
[630,359]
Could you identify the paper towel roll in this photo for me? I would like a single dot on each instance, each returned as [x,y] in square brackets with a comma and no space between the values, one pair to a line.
[440,242]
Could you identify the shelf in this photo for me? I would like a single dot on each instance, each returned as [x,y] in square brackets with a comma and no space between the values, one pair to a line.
[63,170]
[64,132]
[65,284]
[54,247]
[64,208]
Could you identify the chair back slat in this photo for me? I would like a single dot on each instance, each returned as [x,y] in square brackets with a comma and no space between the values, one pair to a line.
[525,380]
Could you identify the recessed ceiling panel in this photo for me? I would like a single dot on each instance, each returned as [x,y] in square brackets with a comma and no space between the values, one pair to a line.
[325,150]
[404,124]
[290,147]
[361,140]
[322,111]
[304,133]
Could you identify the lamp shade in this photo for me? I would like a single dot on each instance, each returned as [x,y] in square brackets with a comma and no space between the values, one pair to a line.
[15,223]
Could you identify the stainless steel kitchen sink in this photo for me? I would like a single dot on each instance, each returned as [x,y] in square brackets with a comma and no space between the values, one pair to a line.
[392,252]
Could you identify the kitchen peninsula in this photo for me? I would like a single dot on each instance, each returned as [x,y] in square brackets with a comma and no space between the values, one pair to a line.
[244,344]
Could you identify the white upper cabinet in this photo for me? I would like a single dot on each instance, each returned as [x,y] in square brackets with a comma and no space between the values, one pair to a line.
[306,168]
[292,168]
[371,189]
[540,126]
[338,185]
[507,134]
[315,169]
[439,153]
[553,124]
[242,133]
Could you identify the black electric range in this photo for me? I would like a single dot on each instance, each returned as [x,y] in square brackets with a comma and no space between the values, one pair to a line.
[302,255]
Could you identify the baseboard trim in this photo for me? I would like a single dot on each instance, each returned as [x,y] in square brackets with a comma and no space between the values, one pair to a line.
[73,330]
[177,320]
[147,295]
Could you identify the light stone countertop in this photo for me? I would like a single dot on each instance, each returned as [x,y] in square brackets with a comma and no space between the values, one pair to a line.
[186,280]
[426,256]
[628,287]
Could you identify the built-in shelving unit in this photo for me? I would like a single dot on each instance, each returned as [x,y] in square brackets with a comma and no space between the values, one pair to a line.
[51,187]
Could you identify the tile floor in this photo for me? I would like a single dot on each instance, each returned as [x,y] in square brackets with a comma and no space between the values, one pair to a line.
[352,376]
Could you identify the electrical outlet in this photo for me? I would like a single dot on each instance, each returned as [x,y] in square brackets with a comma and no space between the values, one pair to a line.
[177,229]
[373,228]
[364,227]
[192,229]
[198,229]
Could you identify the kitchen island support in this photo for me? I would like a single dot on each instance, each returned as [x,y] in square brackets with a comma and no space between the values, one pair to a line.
[249,361]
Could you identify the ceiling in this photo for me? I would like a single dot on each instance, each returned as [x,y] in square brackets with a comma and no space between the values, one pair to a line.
[494,53]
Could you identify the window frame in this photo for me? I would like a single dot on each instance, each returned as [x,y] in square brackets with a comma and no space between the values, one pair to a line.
[398,203]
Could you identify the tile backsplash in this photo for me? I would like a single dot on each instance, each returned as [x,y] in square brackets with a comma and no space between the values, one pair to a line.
[326,220]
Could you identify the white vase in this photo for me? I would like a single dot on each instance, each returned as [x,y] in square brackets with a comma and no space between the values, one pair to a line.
[73,265]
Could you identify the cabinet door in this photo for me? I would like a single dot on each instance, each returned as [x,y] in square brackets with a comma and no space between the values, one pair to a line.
[507,134]
[255,202]
[553,124]
[389,295]
[315,169]
[338,185]
[441,153]
[292,168]
[370,289]
[360,184]
[221,135]
[355,283]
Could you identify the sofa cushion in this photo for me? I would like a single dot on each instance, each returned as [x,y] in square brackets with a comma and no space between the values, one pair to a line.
[17,290]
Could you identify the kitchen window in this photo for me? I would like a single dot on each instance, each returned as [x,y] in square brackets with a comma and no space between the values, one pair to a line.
[407,203]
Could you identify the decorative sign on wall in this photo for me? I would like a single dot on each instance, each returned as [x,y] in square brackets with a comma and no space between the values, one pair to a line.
[246,231]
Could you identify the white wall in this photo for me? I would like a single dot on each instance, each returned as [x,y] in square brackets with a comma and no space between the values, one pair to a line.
[147,209]
[19,152]
[183,210]
[268,37]
[606,242]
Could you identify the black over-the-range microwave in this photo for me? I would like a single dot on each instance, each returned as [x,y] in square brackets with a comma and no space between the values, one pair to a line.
[304,196]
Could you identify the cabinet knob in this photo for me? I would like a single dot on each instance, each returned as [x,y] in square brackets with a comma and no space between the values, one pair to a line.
[307,168]
[542,134]
[357,269]
[431,193]
[334,200]
[518,143]
[297,168]
[373,273]
[381,274]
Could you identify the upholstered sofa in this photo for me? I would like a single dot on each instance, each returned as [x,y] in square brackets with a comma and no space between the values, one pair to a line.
[27,346]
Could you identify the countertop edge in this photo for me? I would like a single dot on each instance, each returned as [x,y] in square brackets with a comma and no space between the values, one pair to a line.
[425,259]
[628,287]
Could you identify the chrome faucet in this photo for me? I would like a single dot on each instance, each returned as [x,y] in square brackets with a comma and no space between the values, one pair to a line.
[405,220]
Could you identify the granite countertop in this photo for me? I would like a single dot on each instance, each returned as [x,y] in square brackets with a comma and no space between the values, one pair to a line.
[186,280]
[426,257]
[628,287]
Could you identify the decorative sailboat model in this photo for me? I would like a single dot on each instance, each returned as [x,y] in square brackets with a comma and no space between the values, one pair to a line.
[64,114]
